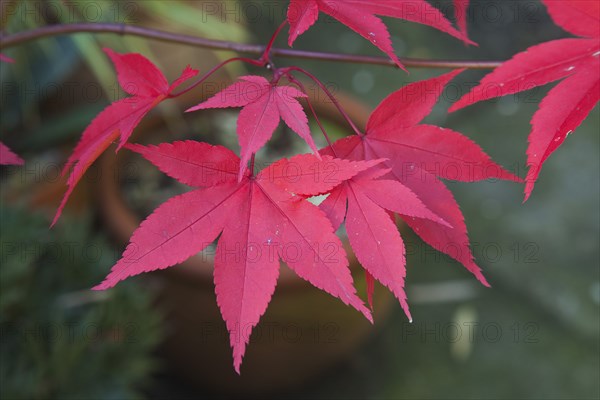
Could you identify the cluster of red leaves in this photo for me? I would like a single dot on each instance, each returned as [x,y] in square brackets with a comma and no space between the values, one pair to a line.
[576,60]
[263,219]
[392,170]
[413,154]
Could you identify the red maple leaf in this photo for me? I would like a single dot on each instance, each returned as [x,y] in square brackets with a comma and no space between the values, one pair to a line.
[7,157]
[364,202]
[264,104]
[148,87]
[417,155]
[567,104]
[360,16]
[260,220]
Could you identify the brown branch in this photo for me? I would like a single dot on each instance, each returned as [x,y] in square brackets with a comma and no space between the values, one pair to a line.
[7,41]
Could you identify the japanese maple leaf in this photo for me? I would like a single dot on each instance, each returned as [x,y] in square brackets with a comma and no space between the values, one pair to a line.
[264,104]
[7,157]
[417,155]
[364,202]
[576,60]
[360,16]
[260,221]
[148,87]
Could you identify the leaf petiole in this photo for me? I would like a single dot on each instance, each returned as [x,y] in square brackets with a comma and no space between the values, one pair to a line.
[250,61]
[333,99]
[296,82]
[265,57]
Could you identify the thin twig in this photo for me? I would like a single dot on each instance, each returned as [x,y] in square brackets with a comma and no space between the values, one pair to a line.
[7,41]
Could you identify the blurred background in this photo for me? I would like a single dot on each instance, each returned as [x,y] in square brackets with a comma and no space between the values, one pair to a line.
[533,335]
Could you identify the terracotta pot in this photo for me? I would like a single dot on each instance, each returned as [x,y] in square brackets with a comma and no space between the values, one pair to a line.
[303,333]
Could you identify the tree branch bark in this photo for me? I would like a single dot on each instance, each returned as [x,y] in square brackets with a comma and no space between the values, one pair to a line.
[11,40]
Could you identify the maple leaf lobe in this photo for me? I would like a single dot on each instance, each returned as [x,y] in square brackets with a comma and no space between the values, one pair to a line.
[148,87]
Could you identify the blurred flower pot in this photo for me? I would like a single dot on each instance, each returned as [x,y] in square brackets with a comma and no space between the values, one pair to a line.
[304,332]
